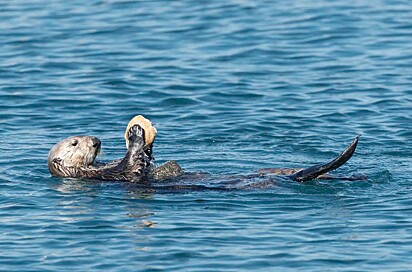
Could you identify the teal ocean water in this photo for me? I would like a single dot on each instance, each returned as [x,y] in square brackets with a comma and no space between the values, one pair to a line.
[232,86]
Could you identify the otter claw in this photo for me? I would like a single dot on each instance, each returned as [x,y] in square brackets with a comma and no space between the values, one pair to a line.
[136,133]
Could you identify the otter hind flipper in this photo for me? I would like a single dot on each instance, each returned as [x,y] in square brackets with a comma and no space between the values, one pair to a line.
[320,169]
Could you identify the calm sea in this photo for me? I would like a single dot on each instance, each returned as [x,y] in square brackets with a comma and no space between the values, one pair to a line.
[232,86]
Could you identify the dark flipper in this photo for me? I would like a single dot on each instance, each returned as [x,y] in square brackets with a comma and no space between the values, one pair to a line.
[320,169]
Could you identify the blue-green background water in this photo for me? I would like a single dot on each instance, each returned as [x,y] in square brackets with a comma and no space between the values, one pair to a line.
[232,86]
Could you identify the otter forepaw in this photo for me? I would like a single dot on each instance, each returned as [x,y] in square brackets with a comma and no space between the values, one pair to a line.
[136,135]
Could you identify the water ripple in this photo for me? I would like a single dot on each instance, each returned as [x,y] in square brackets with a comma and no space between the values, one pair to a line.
[232,86]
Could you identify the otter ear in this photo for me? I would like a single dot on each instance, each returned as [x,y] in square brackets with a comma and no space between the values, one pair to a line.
[57,160]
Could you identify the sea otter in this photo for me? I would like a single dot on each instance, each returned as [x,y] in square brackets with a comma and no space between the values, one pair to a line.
[75,157]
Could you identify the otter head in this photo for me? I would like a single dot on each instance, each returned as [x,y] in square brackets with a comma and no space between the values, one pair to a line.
[71,154]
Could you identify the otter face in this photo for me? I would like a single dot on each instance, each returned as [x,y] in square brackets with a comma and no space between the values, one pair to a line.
[71,154]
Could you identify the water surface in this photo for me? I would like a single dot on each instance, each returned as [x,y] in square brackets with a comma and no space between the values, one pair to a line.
[232,86]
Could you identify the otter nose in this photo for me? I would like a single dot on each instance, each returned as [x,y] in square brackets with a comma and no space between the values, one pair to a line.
[96,142]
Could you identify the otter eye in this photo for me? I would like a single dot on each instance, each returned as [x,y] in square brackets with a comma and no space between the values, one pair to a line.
[74,142]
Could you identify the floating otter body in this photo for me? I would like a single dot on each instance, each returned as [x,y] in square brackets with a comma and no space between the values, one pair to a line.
[75,157]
